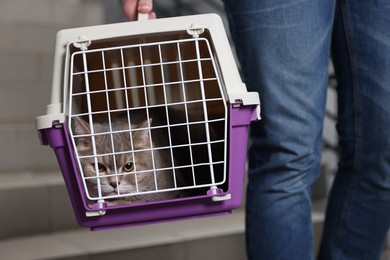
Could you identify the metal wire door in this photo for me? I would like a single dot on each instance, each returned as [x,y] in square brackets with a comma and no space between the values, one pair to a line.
[173,86]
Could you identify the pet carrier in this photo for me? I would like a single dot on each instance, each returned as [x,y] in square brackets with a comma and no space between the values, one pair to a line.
[149,121]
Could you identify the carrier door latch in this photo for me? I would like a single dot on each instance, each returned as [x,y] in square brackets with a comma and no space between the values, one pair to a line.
[217,194]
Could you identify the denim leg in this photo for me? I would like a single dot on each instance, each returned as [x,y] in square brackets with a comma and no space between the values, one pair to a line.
[358,213]
[283,47]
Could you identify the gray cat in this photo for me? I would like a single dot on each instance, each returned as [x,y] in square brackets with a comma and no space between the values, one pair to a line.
[136,167]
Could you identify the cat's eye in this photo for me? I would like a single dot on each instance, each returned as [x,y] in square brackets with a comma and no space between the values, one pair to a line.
[100,167]
[128,167]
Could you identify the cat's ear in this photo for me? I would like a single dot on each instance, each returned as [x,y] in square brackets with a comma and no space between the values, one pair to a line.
[81,127]
[141,137]
[145,124]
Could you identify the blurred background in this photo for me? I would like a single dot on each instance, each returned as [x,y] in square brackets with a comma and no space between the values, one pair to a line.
[36,220]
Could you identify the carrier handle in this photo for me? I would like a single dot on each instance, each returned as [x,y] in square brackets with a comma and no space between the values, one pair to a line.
[143,17]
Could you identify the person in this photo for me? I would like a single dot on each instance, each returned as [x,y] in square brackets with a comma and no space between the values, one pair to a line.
[284,48]
[131,8]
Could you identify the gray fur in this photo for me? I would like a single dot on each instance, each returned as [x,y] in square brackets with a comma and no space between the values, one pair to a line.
[132,142]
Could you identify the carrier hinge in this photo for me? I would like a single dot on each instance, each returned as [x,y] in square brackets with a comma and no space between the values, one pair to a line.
[82,43]
[195,30]
[98,209]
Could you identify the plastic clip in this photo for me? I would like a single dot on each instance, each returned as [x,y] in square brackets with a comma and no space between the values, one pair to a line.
[195,30]
[217,194]
[99,212]
[82,43]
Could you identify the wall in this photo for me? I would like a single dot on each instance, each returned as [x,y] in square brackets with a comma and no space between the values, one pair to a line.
[27,30]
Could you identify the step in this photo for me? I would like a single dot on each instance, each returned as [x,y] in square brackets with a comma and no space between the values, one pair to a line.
[48,13]
[192,239]
[21,150]
[39,215]
[34,203]
[39,204]
[23,100]
[204,238]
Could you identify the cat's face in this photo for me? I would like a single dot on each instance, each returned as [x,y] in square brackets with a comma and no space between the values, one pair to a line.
[113,181]
[116,173]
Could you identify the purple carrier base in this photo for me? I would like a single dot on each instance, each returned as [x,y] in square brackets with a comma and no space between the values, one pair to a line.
[58,138]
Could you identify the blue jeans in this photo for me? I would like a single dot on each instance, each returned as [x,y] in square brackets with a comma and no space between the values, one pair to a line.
[284,47]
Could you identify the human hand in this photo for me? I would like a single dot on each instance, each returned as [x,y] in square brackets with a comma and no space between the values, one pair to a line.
[131,8]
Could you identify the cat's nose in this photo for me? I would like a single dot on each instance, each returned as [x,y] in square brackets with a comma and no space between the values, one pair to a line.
[114,183]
